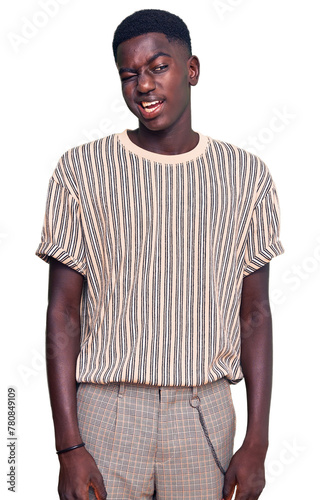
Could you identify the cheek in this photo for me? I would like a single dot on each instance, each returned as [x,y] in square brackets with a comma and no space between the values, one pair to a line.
[179,92]
[127,95]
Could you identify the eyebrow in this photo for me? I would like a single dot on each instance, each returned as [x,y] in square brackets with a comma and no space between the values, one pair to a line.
[155,56]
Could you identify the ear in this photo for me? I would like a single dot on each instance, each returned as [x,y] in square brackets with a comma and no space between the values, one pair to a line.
[194,70]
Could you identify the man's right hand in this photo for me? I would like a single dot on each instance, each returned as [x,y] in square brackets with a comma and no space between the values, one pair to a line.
[78,471]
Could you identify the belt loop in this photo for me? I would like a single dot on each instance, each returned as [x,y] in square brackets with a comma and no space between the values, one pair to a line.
[194,399]
[121,389]
[195,403]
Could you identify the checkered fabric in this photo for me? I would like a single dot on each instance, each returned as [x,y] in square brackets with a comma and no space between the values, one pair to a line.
[148,441]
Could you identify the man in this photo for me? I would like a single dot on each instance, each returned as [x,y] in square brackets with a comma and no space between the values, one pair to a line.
[159,241]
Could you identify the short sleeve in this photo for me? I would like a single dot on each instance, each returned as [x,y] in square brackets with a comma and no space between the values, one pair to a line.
[263,241]
[61,236]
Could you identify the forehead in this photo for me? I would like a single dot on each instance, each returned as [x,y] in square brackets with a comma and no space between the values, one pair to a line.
[138,50]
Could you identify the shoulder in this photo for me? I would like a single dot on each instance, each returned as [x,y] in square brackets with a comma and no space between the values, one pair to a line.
[78,161]
[79,151]
[238,154]
[252,171]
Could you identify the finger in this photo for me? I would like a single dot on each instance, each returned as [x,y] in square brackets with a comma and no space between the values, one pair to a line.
[245,495]
[99,488]
[251,488]
[229,486]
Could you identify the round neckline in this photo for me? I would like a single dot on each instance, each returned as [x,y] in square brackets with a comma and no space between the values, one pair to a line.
[161,158]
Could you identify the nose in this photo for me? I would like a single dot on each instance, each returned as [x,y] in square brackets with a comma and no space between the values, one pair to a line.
[146,83]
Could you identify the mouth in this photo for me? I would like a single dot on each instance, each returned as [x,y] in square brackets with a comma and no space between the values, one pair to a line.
[149,109]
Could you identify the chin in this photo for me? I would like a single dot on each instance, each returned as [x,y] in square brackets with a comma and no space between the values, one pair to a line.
[154,125]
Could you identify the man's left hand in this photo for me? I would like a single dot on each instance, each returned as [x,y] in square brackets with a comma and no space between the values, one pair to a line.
[245,473]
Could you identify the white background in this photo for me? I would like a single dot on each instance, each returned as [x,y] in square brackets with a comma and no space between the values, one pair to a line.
[259,79]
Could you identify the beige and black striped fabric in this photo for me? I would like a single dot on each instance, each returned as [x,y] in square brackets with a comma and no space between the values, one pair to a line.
[164,243]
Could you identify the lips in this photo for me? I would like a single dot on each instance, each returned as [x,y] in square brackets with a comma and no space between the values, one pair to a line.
[150,105]
[150,108]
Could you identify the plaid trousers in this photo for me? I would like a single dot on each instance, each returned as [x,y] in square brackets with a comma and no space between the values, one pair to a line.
[164,443]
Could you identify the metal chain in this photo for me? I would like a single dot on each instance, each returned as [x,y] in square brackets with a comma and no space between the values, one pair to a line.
[209,441]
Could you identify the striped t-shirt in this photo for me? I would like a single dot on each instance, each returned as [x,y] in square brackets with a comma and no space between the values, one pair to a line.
[163,243]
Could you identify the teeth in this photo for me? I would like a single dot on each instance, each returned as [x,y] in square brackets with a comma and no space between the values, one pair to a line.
[149,104]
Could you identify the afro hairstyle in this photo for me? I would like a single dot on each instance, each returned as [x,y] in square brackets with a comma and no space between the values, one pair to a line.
[152,21]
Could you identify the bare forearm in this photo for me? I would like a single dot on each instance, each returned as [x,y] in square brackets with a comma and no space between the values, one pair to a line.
[256,354]
[246,469]
[62,348]
[256,361]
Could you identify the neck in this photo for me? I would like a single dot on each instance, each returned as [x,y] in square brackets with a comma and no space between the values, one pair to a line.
[171,141]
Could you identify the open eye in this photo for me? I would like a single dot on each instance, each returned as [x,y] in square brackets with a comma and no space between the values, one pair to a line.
[160,68]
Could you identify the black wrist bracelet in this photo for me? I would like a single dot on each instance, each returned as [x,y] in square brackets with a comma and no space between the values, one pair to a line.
[71,448]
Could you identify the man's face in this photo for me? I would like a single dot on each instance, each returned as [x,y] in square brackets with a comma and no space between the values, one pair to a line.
[156,76]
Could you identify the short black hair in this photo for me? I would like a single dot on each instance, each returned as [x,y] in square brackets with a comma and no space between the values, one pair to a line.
[151,21]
